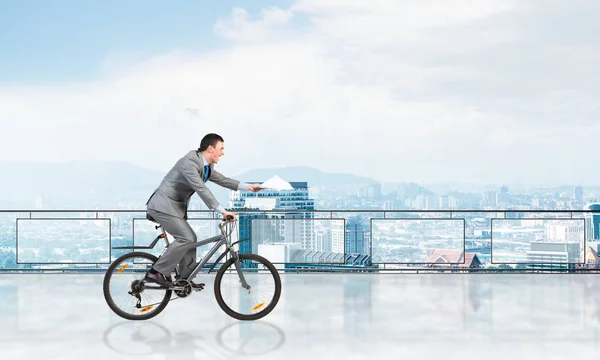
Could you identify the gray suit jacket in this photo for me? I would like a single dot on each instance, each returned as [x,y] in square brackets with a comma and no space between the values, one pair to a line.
[173,194]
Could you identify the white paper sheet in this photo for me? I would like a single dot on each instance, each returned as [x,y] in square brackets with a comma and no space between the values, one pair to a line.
[277,183]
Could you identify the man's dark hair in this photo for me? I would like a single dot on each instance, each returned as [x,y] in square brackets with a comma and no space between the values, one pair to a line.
[209,139]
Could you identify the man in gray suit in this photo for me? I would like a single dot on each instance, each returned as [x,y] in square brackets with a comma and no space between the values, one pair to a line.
[169,203]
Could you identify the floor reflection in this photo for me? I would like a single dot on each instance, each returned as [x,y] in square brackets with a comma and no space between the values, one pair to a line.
[247,339]
[354,315]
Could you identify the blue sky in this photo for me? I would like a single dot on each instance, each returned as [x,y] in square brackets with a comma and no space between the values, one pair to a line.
[64,40]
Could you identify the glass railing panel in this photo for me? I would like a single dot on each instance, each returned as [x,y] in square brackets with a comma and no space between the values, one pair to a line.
[538,242]
[419,241]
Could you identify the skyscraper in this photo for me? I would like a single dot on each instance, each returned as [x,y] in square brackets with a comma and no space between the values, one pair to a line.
[244,228]
[285,226]
[502,198]
[357,229]
[592,221]
[578,190]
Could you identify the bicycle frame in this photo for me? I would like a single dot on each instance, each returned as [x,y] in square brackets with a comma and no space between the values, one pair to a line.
[219,241]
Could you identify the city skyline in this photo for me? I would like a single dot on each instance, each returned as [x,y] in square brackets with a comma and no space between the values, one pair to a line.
[353,232]
[489,91]
[401,241]
[462,185]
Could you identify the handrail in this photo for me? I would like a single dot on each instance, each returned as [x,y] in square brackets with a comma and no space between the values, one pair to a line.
[370,262]
[322,210]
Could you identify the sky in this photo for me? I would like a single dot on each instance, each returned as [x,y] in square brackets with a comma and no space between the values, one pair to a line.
[487,91]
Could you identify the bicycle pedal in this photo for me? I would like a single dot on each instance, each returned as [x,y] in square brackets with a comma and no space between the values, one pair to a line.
[198,287]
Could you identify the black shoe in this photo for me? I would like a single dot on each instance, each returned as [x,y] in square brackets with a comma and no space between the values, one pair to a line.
[156,277]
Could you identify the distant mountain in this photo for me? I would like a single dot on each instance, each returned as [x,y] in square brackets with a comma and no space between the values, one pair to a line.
[73,184]
[314,177]
[103,184]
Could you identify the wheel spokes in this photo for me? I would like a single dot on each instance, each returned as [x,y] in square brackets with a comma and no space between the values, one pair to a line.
[129,294]
[262,293]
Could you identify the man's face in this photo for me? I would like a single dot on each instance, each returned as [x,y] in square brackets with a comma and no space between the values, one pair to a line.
[216,152]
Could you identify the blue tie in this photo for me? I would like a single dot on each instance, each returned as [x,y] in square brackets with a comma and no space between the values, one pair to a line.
[206,172]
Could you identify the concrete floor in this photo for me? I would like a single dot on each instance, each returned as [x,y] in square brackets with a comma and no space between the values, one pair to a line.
[333,316]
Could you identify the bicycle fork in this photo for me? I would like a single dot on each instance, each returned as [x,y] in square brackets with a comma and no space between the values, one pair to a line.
[238,268]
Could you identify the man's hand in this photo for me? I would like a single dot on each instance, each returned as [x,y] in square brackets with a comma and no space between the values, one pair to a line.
[255,187]
[228,213]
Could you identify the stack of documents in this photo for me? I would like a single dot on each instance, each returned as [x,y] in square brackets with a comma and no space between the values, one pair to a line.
[277,183]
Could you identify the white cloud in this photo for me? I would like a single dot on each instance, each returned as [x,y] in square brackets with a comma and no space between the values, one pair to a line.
[239,26]
[427,91]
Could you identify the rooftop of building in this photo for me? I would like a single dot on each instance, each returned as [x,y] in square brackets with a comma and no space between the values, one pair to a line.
[294,184]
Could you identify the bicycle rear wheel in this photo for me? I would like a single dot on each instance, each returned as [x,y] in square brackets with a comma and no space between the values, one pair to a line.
[264,293]
[139,301]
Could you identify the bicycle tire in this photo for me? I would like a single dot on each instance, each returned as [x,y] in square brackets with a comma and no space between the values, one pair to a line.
[262,313]
[111,303]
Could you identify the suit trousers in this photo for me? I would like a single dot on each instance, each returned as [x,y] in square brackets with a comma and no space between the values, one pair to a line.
[176,253]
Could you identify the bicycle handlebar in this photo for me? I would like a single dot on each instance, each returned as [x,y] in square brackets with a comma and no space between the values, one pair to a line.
[224,221]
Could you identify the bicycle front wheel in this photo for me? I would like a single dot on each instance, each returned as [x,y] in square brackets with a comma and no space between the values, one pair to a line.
[260,299]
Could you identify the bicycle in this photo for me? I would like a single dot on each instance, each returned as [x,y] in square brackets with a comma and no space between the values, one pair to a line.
[233,339]
[182,287]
